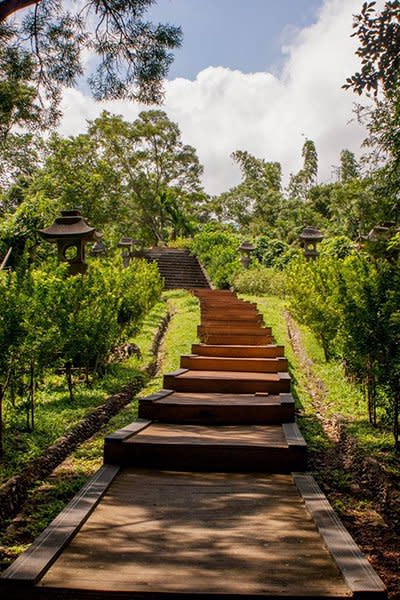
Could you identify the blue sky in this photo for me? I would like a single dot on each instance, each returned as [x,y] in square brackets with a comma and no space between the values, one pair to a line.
[247,35]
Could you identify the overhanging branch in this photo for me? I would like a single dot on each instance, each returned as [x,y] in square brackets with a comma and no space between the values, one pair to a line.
[8,7]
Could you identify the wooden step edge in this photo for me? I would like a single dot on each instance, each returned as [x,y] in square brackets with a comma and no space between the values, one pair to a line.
[117,437]
[176,373]
[155,397]
[286,398]
[293,435]
[359,575]
[30,566]
[232,331]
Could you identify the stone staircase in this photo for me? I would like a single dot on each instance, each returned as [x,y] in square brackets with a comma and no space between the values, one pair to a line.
[178,268]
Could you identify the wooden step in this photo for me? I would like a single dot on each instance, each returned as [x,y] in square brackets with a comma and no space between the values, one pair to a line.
[239,351]
[225,448]
[227,314]
[236,339]
[223,363]
[234,324]
[184,380]
[233,328]
[208,408]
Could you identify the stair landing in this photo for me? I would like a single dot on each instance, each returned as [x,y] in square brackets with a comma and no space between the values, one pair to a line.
[206,535]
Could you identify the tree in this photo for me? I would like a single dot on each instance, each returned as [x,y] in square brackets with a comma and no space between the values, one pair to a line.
[43,52]
[349,168]
[257,199]
[379,50]
[130,177]
[300,184]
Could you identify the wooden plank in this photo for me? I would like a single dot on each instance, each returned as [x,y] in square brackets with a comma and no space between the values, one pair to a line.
[33,563]
[213,448]
[165,535]
[358,573]
[234,328]
[214,408]
[119,436]
[228,382]
[239,351]
[223,363]
[236,339]
[293,435]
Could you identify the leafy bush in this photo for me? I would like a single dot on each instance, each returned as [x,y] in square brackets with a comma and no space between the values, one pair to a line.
[259,281]
[218,252]
[49,321]
[339,246]
[352,306]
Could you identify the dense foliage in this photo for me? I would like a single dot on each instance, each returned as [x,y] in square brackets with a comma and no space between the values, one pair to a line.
[217,250]
[49,322]
[352,306]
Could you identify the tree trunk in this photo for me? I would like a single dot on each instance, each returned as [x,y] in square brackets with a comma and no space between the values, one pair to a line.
[396,425]
[68,374]
[32,395]
[1,421]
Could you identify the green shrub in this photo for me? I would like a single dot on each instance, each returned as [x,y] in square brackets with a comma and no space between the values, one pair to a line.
[260,281]
[218,252]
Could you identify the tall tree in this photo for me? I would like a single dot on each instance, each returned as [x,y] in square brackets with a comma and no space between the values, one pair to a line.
[138,177]
[301,182]
[45,48]
[349,168]
[257,199]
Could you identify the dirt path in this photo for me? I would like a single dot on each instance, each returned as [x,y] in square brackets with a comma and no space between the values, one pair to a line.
[365,496]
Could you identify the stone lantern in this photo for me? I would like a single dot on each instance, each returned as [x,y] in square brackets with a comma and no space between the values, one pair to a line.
[245,250]
[310,237]
[98,249]
[126,245]
[376,242]
[71,233]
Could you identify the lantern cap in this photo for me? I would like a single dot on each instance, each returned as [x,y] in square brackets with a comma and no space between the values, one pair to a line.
[311,233]
[247,246]
[125,242]
[98,247]
[71,224]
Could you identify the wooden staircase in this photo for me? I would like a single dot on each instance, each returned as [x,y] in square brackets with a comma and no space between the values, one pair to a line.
[204,497]
[178,268]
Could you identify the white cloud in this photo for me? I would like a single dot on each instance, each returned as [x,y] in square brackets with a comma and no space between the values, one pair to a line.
[224,110]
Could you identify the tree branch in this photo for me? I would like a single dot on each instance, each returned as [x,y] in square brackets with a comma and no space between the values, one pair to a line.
[8,7]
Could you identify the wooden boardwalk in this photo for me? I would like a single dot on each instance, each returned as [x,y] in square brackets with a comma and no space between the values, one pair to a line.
[206,495]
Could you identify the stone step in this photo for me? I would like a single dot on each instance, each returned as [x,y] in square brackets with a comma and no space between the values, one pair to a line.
[222,363]
[221,448]
[239,351]
[187,380]
[178,268]
[191,407]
